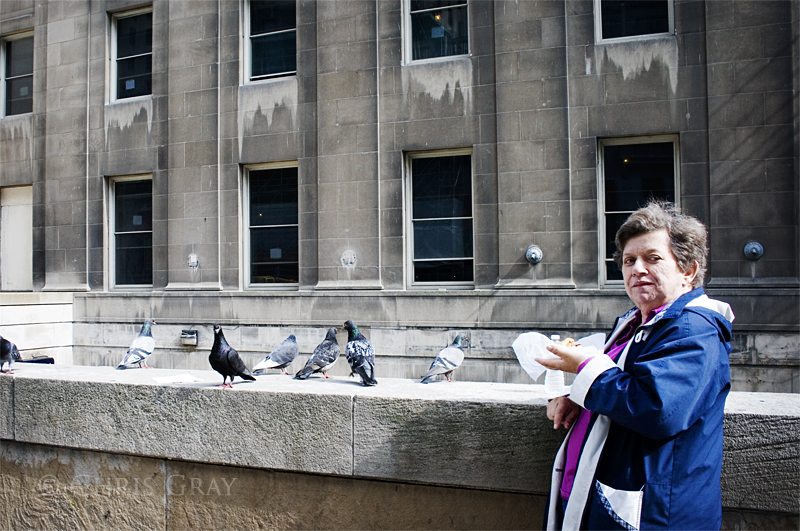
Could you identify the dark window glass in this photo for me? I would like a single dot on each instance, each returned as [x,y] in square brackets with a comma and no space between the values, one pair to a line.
[274,55]
[274,238]
[442,219]
[134,55]
[267,16]
[634,174]
[438,29]
[19,76]
[273,38]
[628,18]
[443,271]
[133,231]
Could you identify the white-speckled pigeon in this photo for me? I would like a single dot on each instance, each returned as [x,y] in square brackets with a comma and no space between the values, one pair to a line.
[8,353]
[323,357]
[280,358]
[141,348]
[225,360]
[360,354]
[448,360]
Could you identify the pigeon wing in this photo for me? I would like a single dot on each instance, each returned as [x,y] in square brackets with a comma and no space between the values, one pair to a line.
[448,360]
[237,366]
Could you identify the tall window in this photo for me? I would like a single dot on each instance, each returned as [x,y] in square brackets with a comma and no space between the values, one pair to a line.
[633,172]
[16,238]
[620,19]
[441,218]
[271,27]
[438,28]
[131,231]
[132,55]
[272,231]
[18,75]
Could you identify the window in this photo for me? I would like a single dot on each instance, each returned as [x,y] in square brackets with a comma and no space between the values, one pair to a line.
[271,237]
[18,75]
[633,172]
[441,240]
[16,238]
[438,28]
[271,28]
[621,19]
[132,55]
[131,231]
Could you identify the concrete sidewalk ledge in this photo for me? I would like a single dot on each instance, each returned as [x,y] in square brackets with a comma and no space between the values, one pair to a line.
[463,434]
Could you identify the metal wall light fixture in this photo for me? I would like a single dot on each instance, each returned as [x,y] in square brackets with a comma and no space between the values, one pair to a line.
[753,250]
[534,254]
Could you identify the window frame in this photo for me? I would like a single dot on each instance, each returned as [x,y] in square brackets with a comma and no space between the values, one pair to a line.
[113,80]
[111,232]
[247,48]
[4,40]
[601,196]
[408,39]
[409,216]
[246,228]
[598,26]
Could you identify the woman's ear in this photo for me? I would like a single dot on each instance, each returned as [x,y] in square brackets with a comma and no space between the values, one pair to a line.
[690,273]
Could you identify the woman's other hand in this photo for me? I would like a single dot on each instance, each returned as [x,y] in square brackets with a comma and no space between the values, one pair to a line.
[562,411]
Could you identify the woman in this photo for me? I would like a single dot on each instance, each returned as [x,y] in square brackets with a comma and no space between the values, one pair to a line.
[645,448]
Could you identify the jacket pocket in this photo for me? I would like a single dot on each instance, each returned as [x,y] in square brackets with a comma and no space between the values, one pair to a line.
[624,506]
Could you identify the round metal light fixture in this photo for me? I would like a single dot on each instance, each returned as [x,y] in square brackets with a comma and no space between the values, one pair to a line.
[753,251]
[534,254]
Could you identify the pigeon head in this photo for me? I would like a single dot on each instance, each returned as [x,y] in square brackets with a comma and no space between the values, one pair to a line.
[217,328]
[292,338]
[331,335]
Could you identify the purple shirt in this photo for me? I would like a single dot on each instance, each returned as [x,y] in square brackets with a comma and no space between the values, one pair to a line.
[578,433]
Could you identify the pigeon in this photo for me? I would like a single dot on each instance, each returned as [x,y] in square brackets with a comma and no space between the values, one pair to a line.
[360,354]
[448,360]
[323,357]
[279,358]
[141,348]
[8,353]
[225,360]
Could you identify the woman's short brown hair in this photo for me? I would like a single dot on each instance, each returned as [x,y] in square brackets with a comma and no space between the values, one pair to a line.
[687,235]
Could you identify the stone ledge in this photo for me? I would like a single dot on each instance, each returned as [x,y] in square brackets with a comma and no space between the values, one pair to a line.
[466,434]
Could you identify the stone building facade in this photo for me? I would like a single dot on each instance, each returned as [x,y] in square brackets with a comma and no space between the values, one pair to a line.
[279,167]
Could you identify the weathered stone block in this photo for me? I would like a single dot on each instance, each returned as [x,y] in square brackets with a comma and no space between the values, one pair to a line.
[188,422]
[454,443]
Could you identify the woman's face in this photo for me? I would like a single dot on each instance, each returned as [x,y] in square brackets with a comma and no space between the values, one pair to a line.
[651,273]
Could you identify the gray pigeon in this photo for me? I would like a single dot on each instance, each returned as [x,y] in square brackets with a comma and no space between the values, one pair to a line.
[8,353]
[279,358]
[447,361]
[225,360]
[323,357]
[360,354]
[141,348]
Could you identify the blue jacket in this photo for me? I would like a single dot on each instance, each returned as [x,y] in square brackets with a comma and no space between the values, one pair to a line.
[662,411]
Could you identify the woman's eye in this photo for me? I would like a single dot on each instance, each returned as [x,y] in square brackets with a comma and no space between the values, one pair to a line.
[628,261]
[653,258]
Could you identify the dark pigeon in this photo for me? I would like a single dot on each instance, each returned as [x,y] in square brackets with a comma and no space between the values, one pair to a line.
[360,354]
[225,360]
[280,358]
[323,357]
[8,353]
[446,362]
[141,348]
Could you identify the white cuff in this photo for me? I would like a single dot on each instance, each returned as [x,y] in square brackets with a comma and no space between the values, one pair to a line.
[587,376]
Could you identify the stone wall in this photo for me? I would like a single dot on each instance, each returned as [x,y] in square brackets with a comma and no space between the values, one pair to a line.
[97,448]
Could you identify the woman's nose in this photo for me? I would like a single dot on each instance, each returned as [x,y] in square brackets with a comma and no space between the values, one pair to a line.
[638,267]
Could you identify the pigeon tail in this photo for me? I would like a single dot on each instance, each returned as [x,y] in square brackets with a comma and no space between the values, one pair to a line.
[366,379]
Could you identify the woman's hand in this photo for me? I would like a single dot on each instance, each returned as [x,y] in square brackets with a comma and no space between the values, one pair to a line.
[562,411]
[570,358]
